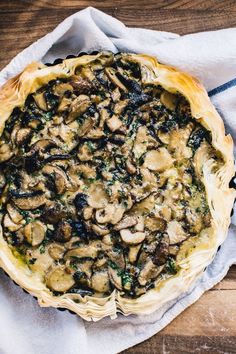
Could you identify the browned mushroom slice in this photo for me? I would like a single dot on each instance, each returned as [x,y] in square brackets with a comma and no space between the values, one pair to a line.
[59,280]
[87,213]
[42,145]
[5,152]
[112,213]
[114,123]
[195,220]
[162,251]
[56,251]
[104,115]
[60,179]
[176,232]
[63,232]
[98,198]
[154,223]
[14,214]
[117,257]
[126,222]
[52,214]
[130,167]
[78,106]
[22,135]
[149,271]
[85,153]
[133,253]
[29,201]
[115,278]
[111,73]
[100,229]
[41,101]
[64,104]
[34,232]
[158,160]
[145,206]
[9,224]
[132,238]
[100,282]
[115,95]
[81,252]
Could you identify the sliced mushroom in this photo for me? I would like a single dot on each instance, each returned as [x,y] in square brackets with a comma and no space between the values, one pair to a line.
[61,88]
[43,145]
[78,106]
[100,282]
[29,201]
[81,252]
[195,220]
[133,253]
[100,230]
[96,133]
[115,95]
[158,160]
[98,198]
[130,167]
[104,115]
[114,123]
[176,232]
[162,251]
[14,214]
[87,213]
[9,224]
[60,178]
[22,135]
[41,101]
[143,141]
[117,257]
[173,250]
[178,142]
[154,223]
[63,232]
[111,73]
[132,238]
[85,153]
[64,104]
[86,268]
[140,224]
[107,240]
[126,222]
[56,251]
[115,279]
[149,271]
[59,280]
[112,213]
[34,232]
[54,213]
[5,152]
[145,206]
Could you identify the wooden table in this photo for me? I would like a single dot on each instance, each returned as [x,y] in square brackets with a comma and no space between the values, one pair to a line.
[208,326]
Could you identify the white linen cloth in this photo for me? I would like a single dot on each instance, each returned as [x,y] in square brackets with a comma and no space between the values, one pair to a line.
[25,328]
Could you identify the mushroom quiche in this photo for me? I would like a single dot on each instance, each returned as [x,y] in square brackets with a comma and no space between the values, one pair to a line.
[114,177]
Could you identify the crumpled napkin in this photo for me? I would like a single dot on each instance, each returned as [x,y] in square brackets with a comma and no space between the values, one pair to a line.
[26,328]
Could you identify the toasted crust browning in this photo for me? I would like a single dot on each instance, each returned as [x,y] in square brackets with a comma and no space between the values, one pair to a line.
[197,252]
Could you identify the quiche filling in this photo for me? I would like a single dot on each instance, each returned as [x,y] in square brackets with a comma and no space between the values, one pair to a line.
[100,178]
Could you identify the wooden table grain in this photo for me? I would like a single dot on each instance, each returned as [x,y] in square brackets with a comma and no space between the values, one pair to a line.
[208,326]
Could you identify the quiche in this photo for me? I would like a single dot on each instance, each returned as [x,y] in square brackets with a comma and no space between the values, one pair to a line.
[114,178]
